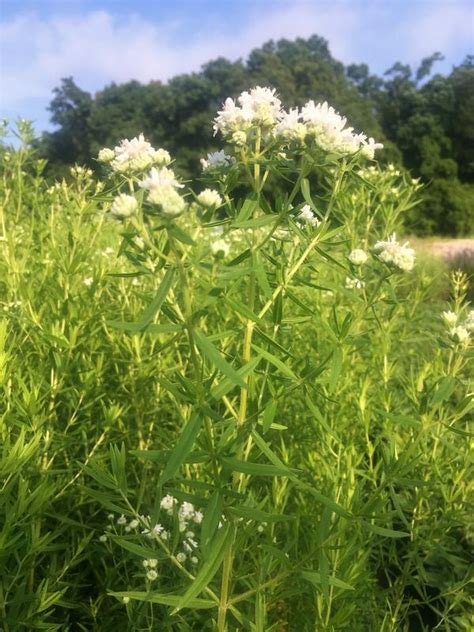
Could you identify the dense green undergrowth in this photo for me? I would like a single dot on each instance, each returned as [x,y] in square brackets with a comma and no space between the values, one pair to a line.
[342,493]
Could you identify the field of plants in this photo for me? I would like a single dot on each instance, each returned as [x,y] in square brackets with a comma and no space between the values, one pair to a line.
[239,403]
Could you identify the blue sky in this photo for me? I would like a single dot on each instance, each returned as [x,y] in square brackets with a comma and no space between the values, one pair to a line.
[100,41]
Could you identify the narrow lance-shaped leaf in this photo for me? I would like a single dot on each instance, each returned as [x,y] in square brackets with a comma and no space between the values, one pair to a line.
[275,361]
[163,599]
[216,359]
[182,448]
[222,542]
[151,311]
[221,389]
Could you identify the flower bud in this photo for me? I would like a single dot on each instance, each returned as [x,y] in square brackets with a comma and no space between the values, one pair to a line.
[106,155]
[123,206]
[358,257]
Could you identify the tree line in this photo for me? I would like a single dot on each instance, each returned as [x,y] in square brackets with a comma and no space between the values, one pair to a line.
[425,120]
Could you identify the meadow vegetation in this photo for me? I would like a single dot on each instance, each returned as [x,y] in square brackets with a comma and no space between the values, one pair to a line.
[237,403]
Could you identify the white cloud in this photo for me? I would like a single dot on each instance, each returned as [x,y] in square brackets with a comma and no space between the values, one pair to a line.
[98,47]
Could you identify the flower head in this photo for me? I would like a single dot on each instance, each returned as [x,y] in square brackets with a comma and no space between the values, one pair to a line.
[106,155]
[123,206]
[450,318]
[152,575]
[306,216]
[257,107]
[460,333]
[469,324]
[158,178]
[328,129]
[391,252]
[136,154]
[168,503]
[220,248]
[216,160]
[210,199]
[354,284]
[290,128]
[262,105]
[358,257]
[161,185]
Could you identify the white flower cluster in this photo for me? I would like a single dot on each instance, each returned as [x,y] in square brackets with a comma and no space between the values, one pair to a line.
[391,252]
[161,185]
[188,518]
[306,216]
[318,123]
[216,160]
[259,107]
[358,257]
[458,330]
[81,173]
[150,565]
[209,199]
[220,248]
[354,284]
[134,155]
[290,128]
[121,522]
[328,128]
[123,206]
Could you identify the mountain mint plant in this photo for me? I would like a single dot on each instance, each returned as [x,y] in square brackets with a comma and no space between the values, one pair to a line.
[241,404]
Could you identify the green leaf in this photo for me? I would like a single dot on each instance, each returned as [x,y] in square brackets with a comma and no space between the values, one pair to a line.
[142,551]
[151,328]
[248,208]
[180,235]
[324,573]
[101,475]
[221,389]
[444,389]
[210,523]
[269,415]
[257,469]
[273,343]
[164,600]
[324,500]
[389,533]
[275,361]
[182,448]
[261,275]
[257,222]
[242,309]
[222,541]
[216,359]
[252,513]
[336,367]
[271,456]
[154,307]
[315,579]
[151,311]
[305,190]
